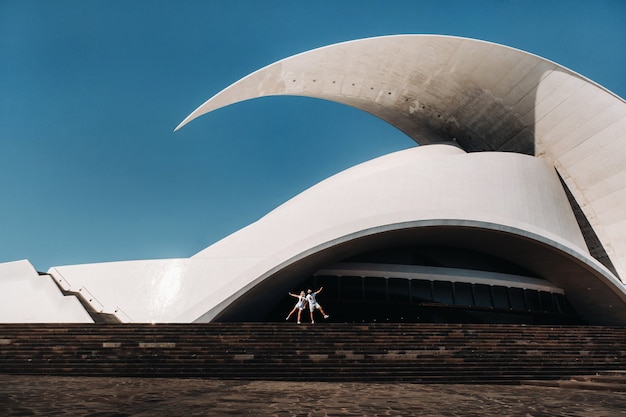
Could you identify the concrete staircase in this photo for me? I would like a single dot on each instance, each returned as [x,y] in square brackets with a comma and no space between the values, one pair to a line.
[420,353]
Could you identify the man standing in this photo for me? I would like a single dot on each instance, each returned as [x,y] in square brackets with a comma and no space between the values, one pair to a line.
[313,305]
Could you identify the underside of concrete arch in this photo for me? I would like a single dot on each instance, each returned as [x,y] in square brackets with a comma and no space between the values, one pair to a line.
[452,252]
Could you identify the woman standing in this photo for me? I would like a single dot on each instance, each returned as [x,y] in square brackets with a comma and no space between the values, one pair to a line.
[300,305]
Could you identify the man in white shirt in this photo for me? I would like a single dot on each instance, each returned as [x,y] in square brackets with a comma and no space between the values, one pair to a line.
[313,304]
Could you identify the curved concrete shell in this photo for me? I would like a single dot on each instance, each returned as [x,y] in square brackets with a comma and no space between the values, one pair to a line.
[544,217]
[481,96]
[507,205]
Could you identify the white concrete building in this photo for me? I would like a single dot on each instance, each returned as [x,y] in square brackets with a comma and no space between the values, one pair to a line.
[511,213]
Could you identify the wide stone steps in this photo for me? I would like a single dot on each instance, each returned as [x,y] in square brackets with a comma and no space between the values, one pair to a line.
[325,351]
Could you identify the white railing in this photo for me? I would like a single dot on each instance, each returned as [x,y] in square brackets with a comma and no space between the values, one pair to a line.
[119,312]
[93,301]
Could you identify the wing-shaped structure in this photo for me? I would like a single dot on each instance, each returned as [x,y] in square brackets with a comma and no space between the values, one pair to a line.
[481,96]
[532,231]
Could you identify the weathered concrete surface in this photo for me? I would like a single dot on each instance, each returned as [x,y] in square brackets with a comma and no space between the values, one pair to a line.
[479,95]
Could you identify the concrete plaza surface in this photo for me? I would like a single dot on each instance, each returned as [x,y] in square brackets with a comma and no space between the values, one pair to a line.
[109,397]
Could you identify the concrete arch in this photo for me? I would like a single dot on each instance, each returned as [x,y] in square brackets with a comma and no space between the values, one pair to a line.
[478,95]
[370,201]
[436,192]
[592,288]
[441,91]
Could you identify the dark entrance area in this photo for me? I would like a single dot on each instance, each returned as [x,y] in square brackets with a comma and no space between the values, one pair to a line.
[394,285]
[355,299]
[416,276]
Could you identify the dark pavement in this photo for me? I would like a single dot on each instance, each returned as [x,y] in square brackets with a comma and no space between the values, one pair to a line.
[108,397]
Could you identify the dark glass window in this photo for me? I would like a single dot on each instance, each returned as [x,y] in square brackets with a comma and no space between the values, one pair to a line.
[463,294]
[518,301]
[398,290]
[546,301]
[533,300]
[482,295]
[375,289]
[351,288]
[500,297]
[421,291]
[330,284]
[559,303]
[442,292]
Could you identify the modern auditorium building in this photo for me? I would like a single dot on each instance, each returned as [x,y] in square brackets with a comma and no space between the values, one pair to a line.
[510,211]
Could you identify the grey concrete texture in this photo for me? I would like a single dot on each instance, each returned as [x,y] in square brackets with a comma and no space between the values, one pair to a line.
[478,95]
[109,397]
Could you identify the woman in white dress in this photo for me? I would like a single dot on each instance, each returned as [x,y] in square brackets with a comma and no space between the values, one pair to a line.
[300,305]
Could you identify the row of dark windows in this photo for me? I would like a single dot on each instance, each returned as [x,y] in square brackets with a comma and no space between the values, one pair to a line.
[406,291]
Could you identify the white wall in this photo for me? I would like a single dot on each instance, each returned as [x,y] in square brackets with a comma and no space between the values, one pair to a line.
[27,297]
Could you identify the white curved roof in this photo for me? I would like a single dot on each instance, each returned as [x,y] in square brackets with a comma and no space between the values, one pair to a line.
[423,190]
[476,95]
[481,95]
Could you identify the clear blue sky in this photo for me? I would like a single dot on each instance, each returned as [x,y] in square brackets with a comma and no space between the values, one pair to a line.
[91,90]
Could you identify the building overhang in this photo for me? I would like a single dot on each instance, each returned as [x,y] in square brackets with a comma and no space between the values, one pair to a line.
[478,95]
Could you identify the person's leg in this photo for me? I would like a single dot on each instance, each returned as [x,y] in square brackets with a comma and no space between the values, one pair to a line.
[299,315]
[290,313]
[322,311]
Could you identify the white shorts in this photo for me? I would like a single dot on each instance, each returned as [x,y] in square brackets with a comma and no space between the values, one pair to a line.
[312,307]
